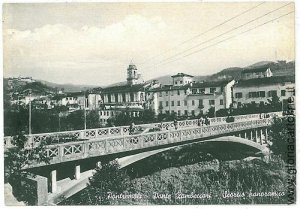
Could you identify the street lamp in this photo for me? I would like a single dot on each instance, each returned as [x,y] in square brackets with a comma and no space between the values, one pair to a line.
[84,103]
[29,131]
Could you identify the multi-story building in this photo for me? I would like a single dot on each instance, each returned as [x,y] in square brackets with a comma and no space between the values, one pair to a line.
[261,90]
[129,97]
[185,97]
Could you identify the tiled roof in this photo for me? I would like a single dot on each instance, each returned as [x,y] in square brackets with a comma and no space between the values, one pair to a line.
[124,88]
[169,88]
[265,81]
[181,75]
[256,69]
[210,84]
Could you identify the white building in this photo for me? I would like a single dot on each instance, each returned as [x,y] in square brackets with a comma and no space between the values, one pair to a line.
[188,98]
[129,97]
[260,90]
[182,79]
[257,72]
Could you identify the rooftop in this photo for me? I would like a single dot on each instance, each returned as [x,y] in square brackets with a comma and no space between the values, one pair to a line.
[181,75]
[170,87]
[211,84]
[124,88]
[265,81]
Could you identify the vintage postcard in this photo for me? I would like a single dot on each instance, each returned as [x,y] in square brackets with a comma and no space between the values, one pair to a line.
[149,103]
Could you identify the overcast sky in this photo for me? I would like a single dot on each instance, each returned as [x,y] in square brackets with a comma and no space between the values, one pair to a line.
[93,43]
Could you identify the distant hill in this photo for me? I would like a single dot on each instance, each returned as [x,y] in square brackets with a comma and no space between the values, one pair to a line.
[279,68]
[36,87]
[67,87]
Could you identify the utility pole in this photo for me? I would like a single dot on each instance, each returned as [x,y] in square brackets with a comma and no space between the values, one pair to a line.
[29,125]
[84,112]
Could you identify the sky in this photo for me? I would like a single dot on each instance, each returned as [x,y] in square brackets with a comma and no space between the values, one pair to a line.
[93,43]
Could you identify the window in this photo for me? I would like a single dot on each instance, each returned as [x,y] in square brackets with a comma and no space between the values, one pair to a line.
[178,92]
[185,92]
[167,103]
[131,97]
[160,104]
[253,94]
[238,95]
[211,102]
[178,112]
[178,103]
[116,98]
[202,91]
[193,112]
[160,94]
[193,103]
[212,90]
[262,94]
[194,91]
[167,93]
[185,103]
[283,93]
[167,112]
[175,82]
[272,93]
[172,111]
[172,103]
[186,112]
[109,98]
[221,102]
[124,97]
[181,82]
[239,104]
[200,102]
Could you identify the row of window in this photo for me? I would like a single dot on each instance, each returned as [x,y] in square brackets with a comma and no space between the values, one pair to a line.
[106,113]
[194,91]
[123,97]
[179,112]
[258,94]
[211,102]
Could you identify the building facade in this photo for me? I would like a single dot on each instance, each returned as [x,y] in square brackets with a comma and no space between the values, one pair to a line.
[185,97]
[261,90]
[130,97]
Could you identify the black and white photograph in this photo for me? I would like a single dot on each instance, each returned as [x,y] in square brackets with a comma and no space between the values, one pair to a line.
[149,103]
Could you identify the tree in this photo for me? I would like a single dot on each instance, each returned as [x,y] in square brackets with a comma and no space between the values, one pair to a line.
[108,178]
[16,160]
[280,132]
[92,119]
[275,103]
[211,112]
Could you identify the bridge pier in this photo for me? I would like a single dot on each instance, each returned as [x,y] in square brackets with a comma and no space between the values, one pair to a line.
[251,135]
[266,138]
[53,181]
[77,172]
[256,136]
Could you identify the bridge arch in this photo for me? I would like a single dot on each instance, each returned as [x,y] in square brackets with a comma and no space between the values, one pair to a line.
[224,142]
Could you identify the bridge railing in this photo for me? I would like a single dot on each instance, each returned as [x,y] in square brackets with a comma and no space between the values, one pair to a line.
[99,147]
[79,135]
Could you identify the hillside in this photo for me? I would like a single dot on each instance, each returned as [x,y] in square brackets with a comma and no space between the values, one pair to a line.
[280,68]
[67,87]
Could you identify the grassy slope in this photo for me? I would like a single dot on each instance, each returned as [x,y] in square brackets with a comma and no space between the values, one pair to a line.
[234,176]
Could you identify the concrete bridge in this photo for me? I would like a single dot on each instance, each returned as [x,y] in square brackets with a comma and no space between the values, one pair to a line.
[249,130]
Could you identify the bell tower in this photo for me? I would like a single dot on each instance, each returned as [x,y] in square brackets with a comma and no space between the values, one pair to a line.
[132,74]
